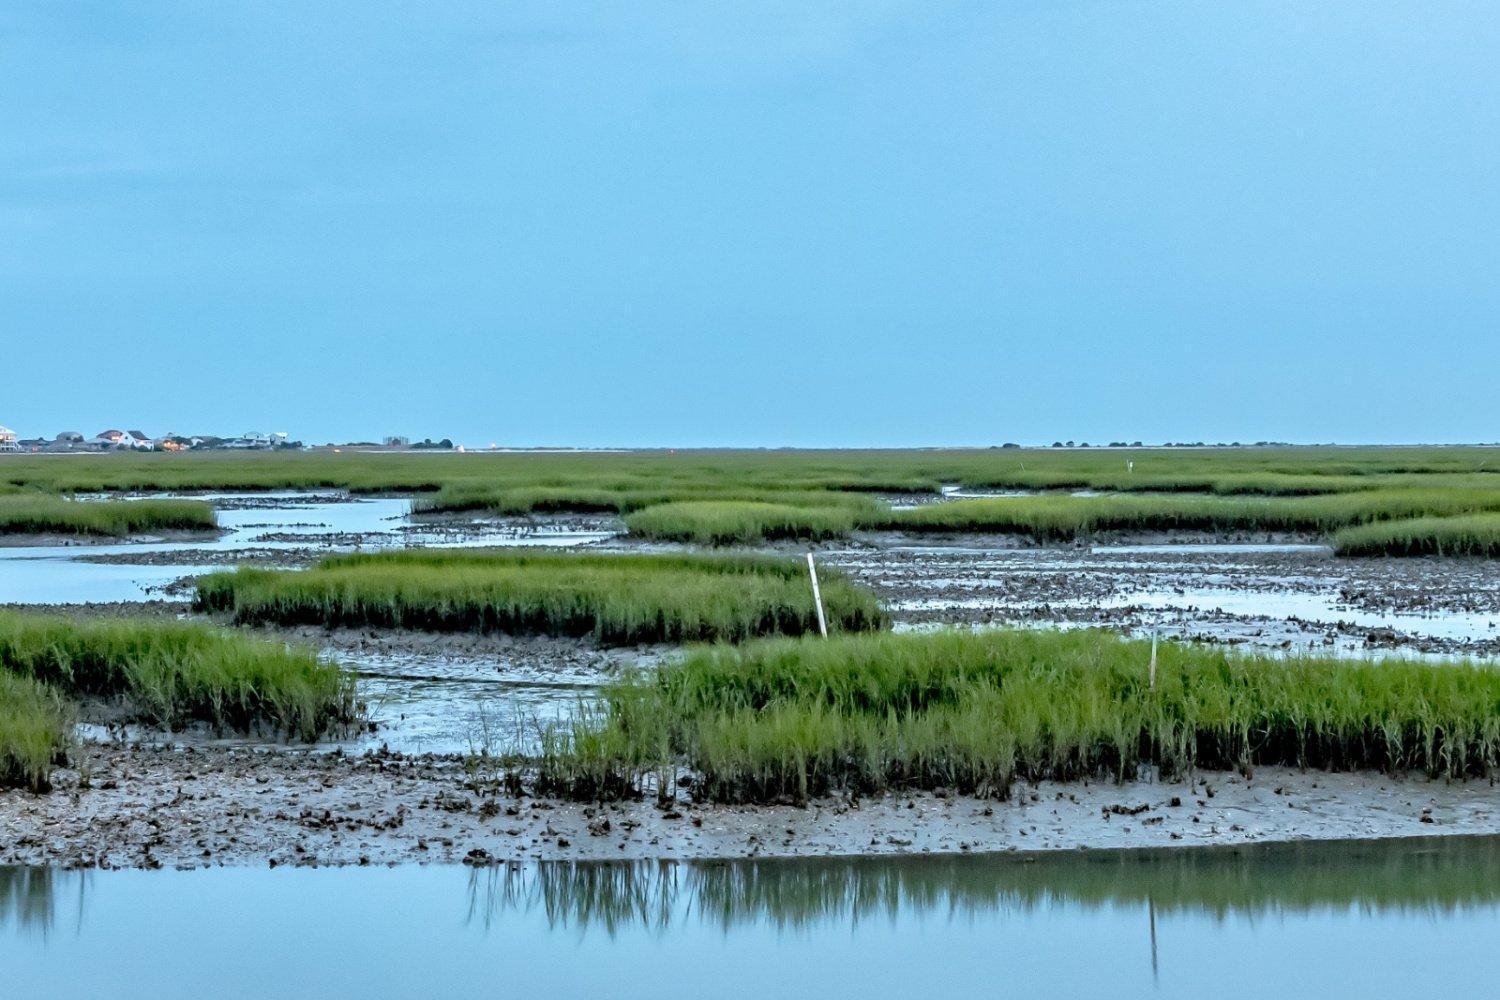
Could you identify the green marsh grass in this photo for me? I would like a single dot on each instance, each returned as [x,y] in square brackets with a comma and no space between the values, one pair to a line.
[1269,470]
[35,724]
[549,499]
[1472,535]
[33,513]
[169,674]
[615,598]
[789,719]
[728,522]
[1066,517]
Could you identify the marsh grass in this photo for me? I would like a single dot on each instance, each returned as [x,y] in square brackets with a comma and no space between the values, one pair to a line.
[1252,470]
[788,719]
[585,500]
[35,724]
[728,522]
[615,598]
[169,674]
[35,513]
[1473,535]
[1059,517]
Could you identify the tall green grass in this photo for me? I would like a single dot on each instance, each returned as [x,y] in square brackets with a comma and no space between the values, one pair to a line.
[726,522]
[550,499]
[169,674]
[34,513]
[1473,535]
[35,724]
[165,674]
[790,719]
[616,598]
[1058,517]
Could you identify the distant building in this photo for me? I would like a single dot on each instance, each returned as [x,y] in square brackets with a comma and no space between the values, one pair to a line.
[68,441]
[140,441]
[112,439]
[8,440]
[249,440]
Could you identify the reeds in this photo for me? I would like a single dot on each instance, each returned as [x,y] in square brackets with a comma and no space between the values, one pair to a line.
[1473,535]
[169,674]
[34,513]
[615,598]
[725,522]
[788,719]
[1059,517]
[35,724]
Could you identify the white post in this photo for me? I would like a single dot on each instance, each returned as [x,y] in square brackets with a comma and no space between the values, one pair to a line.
[812,571]
[1153,659]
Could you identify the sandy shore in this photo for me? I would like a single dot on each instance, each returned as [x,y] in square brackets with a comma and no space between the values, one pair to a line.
[133,807]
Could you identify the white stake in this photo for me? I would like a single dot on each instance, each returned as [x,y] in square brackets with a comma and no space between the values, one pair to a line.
[812,571]
[1153,659]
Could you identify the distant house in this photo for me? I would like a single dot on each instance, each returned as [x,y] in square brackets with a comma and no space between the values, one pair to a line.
[140,441]
[8,440]
[251,439]
[68,441]
[112,439]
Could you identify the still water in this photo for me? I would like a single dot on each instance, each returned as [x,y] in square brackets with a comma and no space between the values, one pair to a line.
[1397,919]
[320,523]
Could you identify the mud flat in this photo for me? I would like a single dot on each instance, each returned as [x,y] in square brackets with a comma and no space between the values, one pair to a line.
[1272,592]
[138,807]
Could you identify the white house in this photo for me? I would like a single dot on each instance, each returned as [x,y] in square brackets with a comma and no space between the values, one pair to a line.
[251,439]
[8,441]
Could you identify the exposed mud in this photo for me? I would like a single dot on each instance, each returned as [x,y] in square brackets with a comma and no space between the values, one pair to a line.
[136,807]
[1274,594]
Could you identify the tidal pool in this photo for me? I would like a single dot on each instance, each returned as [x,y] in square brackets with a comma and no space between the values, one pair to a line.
[261,522]
[1377,919]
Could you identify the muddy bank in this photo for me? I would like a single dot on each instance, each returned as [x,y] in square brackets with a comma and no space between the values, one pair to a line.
[52,539]
[1270,594]
[135,807]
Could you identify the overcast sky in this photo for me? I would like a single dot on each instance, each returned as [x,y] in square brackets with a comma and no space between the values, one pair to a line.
[803,223]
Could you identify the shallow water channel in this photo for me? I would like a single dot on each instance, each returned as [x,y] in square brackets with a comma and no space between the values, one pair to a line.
[1398,918]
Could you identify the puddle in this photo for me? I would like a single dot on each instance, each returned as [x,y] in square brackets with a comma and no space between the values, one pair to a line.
[1397,918]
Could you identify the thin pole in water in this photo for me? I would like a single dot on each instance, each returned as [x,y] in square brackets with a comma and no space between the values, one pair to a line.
[812,571]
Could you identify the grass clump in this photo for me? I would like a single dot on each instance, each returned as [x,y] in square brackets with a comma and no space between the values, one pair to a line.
[35,513]
[170,674]
[35,724]
[615,598]
[1474,535]
[727,522]
[788,719]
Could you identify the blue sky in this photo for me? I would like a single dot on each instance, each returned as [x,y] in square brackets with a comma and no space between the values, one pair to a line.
[696,223]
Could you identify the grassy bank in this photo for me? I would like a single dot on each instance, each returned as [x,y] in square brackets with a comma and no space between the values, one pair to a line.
[610,500]
[976,711]
[165,674]
[616,598]
[32,513]
[1474,535]
[1066,517]
[725,522]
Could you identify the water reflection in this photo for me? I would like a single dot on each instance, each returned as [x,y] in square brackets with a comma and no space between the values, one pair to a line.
[1438,875]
